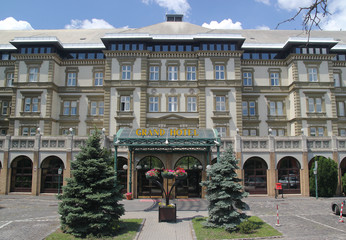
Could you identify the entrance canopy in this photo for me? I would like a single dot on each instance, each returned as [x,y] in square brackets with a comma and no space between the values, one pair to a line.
[160,139]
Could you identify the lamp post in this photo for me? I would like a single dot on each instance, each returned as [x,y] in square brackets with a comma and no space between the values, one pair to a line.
[59,174]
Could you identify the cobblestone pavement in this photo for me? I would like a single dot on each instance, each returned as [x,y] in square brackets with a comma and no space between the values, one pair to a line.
[31,217]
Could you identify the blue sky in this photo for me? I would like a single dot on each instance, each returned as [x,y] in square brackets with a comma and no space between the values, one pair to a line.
[245,14]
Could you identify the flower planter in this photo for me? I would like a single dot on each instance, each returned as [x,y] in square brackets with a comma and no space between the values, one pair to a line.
[168,214]
[129,196]
[167,175]
[151,177]
[181,177]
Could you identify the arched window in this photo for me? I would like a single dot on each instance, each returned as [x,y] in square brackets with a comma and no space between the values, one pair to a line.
[289,174]
[255,176]
[21,177]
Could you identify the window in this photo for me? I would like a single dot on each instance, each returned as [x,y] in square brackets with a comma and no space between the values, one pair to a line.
[342,132]
[276,108]
[312,74]
[191,104]
[153,104]
[33,74]
[172,73]
[9,79]
[222,131]
[337,82]
[29,131]
[220,103]
[98,78]
[341,109]
[247,78]
[96,108]
[249,108]
[191,73]
[219,72]
[5,108]
[154,73]
[278,132]
[315,105]
[275,79]
[70,108]
[249,132]
[126,72]
[31,104]
[172,104]
[316,131]
[71,79]
[125,103]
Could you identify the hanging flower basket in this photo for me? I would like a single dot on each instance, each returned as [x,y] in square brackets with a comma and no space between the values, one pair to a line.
[152,174]
[169,174]
[180,174]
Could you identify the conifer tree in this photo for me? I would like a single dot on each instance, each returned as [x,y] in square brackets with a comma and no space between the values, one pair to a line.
[90,200]
[224,193]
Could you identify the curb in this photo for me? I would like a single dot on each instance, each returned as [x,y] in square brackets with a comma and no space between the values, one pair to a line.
[140,229]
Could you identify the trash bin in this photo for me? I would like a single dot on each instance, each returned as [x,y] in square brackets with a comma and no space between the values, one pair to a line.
[279,190]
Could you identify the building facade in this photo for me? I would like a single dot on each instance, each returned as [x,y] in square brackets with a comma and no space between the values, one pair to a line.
[277,96]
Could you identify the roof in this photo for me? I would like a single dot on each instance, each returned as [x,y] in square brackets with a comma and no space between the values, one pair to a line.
[172,31]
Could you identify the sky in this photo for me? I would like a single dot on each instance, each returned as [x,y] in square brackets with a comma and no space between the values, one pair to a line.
[215,14]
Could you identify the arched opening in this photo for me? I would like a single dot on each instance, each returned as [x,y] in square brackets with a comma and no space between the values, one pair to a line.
[51,180]
[21,176]
[122,173]
[190,187]
[145,187]
[255,176]
[289,175]
[343,169]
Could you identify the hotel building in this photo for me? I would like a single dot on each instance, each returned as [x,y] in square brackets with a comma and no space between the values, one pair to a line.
[278,96]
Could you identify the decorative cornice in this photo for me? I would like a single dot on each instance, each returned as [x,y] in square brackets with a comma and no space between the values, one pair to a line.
[262,62]
[81,62]
[7,62]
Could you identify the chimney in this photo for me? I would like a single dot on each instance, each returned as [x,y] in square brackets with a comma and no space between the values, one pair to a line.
[174,17]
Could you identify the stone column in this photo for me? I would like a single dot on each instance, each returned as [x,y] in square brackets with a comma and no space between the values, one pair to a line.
[4,178]
[336,159]
[272,171]
[304,173]
[36,167]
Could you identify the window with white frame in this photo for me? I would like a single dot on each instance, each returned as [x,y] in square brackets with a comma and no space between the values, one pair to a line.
[191,104]
[126,72]
[172,104]
[98,78]
[317,131]
[275,79]
[276,108]
[9,79]
[220,103]
[313,77]
[337,82]
[341,109]
[191,73]
[29,131]
[314,105]
[278,132]
[71,79]
[153,104]
[222,131]
[172,73]
[31,104]
[33,74]
[70,108]
[125,103]
[219,72]
[247,78]
[96,108]
[342,132]
[249,132]
[249,108]
[5,108]
[154,72]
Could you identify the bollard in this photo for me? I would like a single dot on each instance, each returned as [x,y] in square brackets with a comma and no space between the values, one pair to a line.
[341,218]
[277,216]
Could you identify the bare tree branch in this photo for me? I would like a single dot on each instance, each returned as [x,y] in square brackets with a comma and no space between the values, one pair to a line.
[312,15]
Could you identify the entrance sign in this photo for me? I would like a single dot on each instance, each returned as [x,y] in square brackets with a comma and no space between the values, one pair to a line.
[162,132]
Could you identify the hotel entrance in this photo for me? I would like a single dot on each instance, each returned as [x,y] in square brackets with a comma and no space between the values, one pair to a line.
[161,148]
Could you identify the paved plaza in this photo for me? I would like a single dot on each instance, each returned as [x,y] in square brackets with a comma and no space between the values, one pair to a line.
[31,217]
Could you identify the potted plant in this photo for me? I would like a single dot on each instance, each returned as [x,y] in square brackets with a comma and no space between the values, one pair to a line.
[168,212]
[169,174]
[152,174]
[180,173]
[128,196]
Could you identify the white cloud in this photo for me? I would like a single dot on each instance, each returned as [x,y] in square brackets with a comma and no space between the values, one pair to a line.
[293,4]
[178,6]
[263,27]
[337,19]
[12,24]
[224,24]
[266,2]
[86,24]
